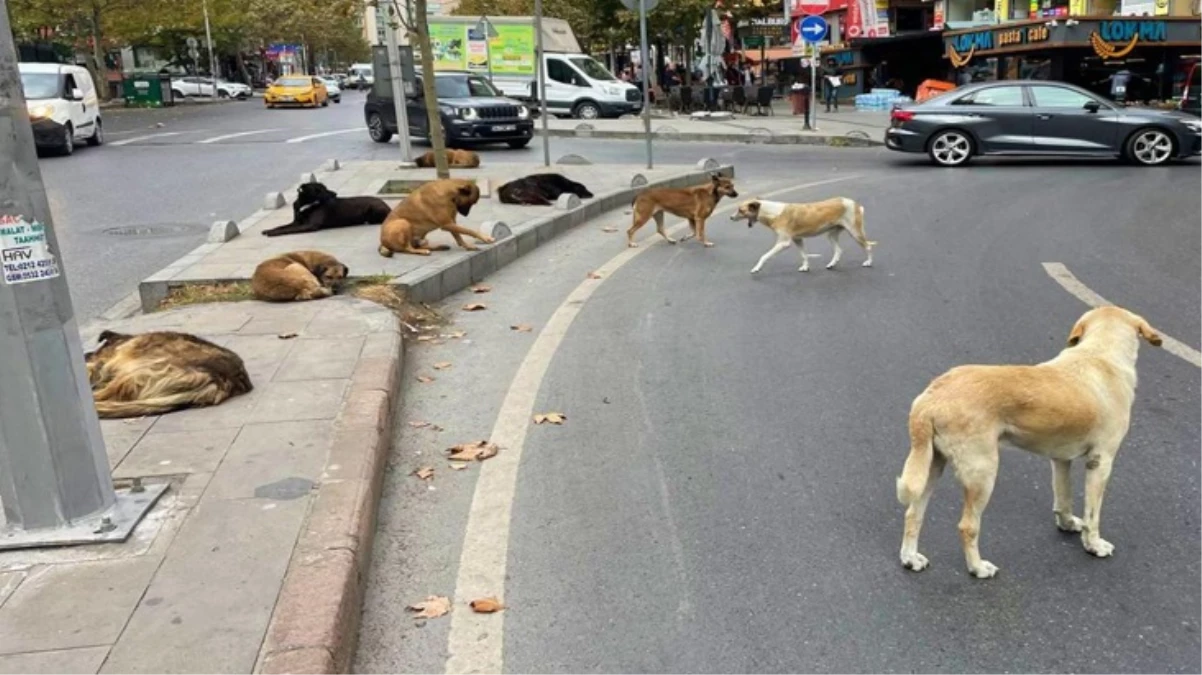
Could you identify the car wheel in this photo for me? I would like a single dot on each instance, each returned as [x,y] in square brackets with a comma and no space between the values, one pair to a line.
[376,129]
[519,144]
[1150,147]
[587,110]
[97,137]
[950,148]
[68,147]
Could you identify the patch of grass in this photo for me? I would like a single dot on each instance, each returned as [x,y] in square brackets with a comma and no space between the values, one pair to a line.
[198,294]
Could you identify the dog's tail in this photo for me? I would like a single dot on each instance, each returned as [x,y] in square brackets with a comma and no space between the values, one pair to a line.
[913,479]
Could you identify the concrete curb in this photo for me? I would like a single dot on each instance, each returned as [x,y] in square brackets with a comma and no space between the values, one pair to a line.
[432,285]
[314,627]
[672,134]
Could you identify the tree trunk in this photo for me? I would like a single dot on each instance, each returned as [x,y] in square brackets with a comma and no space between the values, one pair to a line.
[102,70]
[421,30]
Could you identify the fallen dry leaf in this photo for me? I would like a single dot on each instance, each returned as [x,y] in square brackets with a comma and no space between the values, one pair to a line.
[550,418]
[481,288]
[418,424]
[478,451]
[442,365]
[594,275]
[609,229]
[424,473]
[286,336]
[425,379]
[432,607]
[457,466]
[522,327]
[486,605]
[475,307]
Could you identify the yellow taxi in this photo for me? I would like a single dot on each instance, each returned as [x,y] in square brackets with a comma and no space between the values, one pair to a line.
[299,90]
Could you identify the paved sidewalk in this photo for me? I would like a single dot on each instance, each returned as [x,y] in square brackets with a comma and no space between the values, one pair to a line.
[847,127]
[254,557]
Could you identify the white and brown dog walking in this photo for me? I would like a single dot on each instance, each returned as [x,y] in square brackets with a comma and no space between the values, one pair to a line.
[794,222]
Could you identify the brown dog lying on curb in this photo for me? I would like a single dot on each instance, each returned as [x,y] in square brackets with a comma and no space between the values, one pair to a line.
[456,159]
[795,222]
[155,373]
[1076,406]
[430,207]
[695,204]
[298,275]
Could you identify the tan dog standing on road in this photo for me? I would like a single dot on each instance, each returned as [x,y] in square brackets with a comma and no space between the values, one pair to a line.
[795,222]
[695,204]
[456,159]
[1078,405]
[298,275]
[430,207]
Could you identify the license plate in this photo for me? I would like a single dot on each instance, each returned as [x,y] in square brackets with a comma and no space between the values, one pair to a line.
[505,127]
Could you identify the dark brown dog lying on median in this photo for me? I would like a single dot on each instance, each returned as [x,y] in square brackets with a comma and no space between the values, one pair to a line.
[297,275]
[156,373]
[319,208]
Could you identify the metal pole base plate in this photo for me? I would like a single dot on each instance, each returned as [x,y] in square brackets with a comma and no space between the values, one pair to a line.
[114,525]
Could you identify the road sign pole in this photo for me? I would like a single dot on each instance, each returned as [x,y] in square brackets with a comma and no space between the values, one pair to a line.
[541,69]
[646,78]
[54,473]
[400,101]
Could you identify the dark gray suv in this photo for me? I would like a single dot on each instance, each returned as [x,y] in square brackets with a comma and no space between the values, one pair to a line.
[1039,117]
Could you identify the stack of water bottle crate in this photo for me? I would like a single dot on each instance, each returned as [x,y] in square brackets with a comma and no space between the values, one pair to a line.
[881,99]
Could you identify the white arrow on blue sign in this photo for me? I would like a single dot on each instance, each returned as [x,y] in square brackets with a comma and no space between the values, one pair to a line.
[812,28]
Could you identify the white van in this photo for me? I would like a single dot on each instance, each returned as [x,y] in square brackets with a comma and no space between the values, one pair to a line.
[63,105]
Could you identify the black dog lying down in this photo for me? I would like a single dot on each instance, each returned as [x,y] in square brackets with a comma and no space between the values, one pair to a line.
[319,208]
[541,189]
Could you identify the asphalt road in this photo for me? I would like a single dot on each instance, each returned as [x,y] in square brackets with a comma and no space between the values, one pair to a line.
[721,496]
[126,210]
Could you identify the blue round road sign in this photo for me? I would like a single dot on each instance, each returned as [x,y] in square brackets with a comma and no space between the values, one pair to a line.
[812,28]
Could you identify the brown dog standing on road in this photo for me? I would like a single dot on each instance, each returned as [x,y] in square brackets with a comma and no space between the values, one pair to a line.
[456,159]
[155,373]
[430,207]
[1078,405]
[795,222]
[298,275]
[695,204]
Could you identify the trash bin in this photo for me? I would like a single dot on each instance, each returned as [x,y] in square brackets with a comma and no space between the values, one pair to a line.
[147,90]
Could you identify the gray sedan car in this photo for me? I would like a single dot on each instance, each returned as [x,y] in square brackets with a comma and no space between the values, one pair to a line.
[1020,117]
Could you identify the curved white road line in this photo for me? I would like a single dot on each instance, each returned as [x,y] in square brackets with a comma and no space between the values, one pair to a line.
[475,640]
[1061,275]
[147,137]
[240,134]
[302,139]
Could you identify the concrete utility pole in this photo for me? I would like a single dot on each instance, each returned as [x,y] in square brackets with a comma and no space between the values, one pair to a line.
[54,475]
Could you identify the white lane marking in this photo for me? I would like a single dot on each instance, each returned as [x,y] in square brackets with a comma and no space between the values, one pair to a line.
[147,137]
[1061,275]
[475,640]
[240,134]
[302,139]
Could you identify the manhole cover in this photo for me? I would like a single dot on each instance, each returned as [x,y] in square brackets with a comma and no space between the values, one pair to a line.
[155,230]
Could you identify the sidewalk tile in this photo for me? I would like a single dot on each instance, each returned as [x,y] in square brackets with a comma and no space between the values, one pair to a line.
[73,605]
[208,607]
[82,660]
[176,452]
[266,453]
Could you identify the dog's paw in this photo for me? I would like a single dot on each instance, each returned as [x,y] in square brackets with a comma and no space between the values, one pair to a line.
[1070,524]
[1099,547]
[915,562]
[984,570]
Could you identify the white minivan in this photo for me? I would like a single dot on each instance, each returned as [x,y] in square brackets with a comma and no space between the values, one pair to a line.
[63,105]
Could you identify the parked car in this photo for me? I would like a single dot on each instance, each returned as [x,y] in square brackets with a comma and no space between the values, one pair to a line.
[182,87]
[63,106]
[297,90]
[333,88]
[1039,117]
[473,112]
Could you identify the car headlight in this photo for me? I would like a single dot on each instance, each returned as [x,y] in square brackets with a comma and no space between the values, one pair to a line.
[469,113]
[523,112]
[41,111]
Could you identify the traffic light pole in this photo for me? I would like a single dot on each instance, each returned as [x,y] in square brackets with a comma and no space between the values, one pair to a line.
[54,476]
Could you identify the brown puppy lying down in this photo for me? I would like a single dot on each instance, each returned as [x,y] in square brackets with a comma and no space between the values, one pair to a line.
[456,159]
[430,207]
[155,373]
[298,275]
[693,203]
[1075,406]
